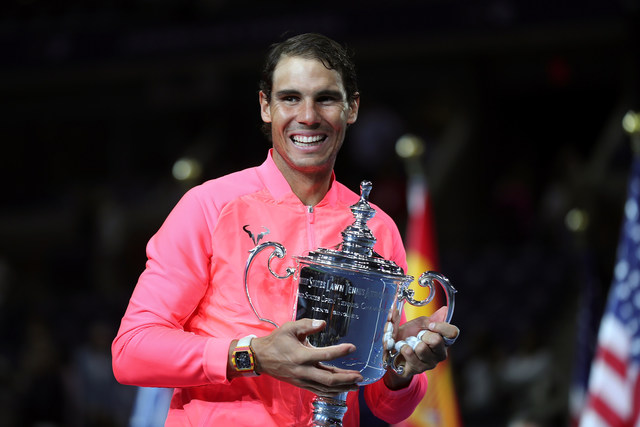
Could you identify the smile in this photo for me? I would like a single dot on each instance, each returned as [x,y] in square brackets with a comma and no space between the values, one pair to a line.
[308,140]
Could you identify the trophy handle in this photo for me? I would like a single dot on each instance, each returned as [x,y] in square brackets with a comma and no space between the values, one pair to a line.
[279,251]
[426,279]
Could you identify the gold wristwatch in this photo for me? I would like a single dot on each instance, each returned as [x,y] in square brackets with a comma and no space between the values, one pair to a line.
[243,359]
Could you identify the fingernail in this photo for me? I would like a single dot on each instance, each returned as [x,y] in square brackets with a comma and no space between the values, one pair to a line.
[432,326]
[317,323]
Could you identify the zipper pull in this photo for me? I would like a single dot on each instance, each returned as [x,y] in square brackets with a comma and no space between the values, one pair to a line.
[310,214]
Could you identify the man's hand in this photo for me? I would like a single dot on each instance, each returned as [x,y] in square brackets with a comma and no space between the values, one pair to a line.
[427,353]
[286,355]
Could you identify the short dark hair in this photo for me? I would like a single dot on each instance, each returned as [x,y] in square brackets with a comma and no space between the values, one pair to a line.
[312,46]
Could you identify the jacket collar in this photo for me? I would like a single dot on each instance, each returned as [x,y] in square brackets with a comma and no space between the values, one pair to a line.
[279,188]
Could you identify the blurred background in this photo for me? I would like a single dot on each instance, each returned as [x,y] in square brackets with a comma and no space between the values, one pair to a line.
[520,104]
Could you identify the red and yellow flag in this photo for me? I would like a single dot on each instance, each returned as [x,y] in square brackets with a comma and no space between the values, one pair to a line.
[439,408]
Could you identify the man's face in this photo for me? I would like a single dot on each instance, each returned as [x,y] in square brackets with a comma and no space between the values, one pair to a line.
[309,114]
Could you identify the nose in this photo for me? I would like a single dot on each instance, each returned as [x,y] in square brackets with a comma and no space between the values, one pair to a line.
[308,113]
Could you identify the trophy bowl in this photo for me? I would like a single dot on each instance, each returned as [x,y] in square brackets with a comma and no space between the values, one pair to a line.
[356,292]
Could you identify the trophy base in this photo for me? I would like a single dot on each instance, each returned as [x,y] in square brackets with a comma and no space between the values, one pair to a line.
[328,411]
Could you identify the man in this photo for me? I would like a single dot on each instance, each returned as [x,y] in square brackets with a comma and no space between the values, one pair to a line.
[189,317]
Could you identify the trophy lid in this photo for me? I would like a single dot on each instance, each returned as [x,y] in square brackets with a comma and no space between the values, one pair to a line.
[356,251]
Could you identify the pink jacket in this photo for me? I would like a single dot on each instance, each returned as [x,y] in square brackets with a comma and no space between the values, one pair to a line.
[190,301]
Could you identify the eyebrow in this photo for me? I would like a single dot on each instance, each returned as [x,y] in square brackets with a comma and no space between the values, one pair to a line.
[332,93]
[326,92]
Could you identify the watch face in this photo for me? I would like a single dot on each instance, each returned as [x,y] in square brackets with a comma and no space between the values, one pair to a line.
[243,360]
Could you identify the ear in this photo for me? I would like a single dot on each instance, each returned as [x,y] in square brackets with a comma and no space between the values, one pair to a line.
[265,111]
[353,109]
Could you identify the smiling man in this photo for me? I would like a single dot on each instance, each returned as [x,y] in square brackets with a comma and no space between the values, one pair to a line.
[189,324]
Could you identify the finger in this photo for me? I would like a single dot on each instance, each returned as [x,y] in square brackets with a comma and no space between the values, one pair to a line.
[432,348]
[303,327]
[336,370]
[325,354]
[424,356]
[414,364]
[332,379]
[413,327]
[325,383]
[448,331]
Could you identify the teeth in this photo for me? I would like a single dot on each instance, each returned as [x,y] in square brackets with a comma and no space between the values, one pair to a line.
[307,139]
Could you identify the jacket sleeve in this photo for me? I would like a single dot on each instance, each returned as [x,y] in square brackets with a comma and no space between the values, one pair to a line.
[394,406]
[151,347]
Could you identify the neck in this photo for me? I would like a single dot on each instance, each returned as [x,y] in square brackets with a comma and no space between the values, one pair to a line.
[310,191]
[310,188]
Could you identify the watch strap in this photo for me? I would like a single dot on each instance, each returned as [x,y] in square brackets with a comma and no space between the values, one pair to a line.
[245,341]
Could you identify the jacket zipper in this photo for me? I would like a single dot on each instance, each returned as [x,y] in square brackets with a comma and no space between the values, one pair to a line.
[311,236]
[311,242]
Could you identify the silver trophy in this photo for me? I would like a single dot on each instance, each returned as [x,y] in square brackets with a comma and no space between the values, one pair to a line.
[357,293]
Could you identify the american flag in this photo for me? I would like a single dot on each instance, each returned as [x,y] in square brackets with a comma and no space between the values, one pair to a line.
[613,396]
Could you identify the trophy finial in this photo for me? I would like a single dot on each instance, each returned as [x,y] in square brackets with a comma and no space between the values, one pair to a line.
[365,189]
[357,238]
